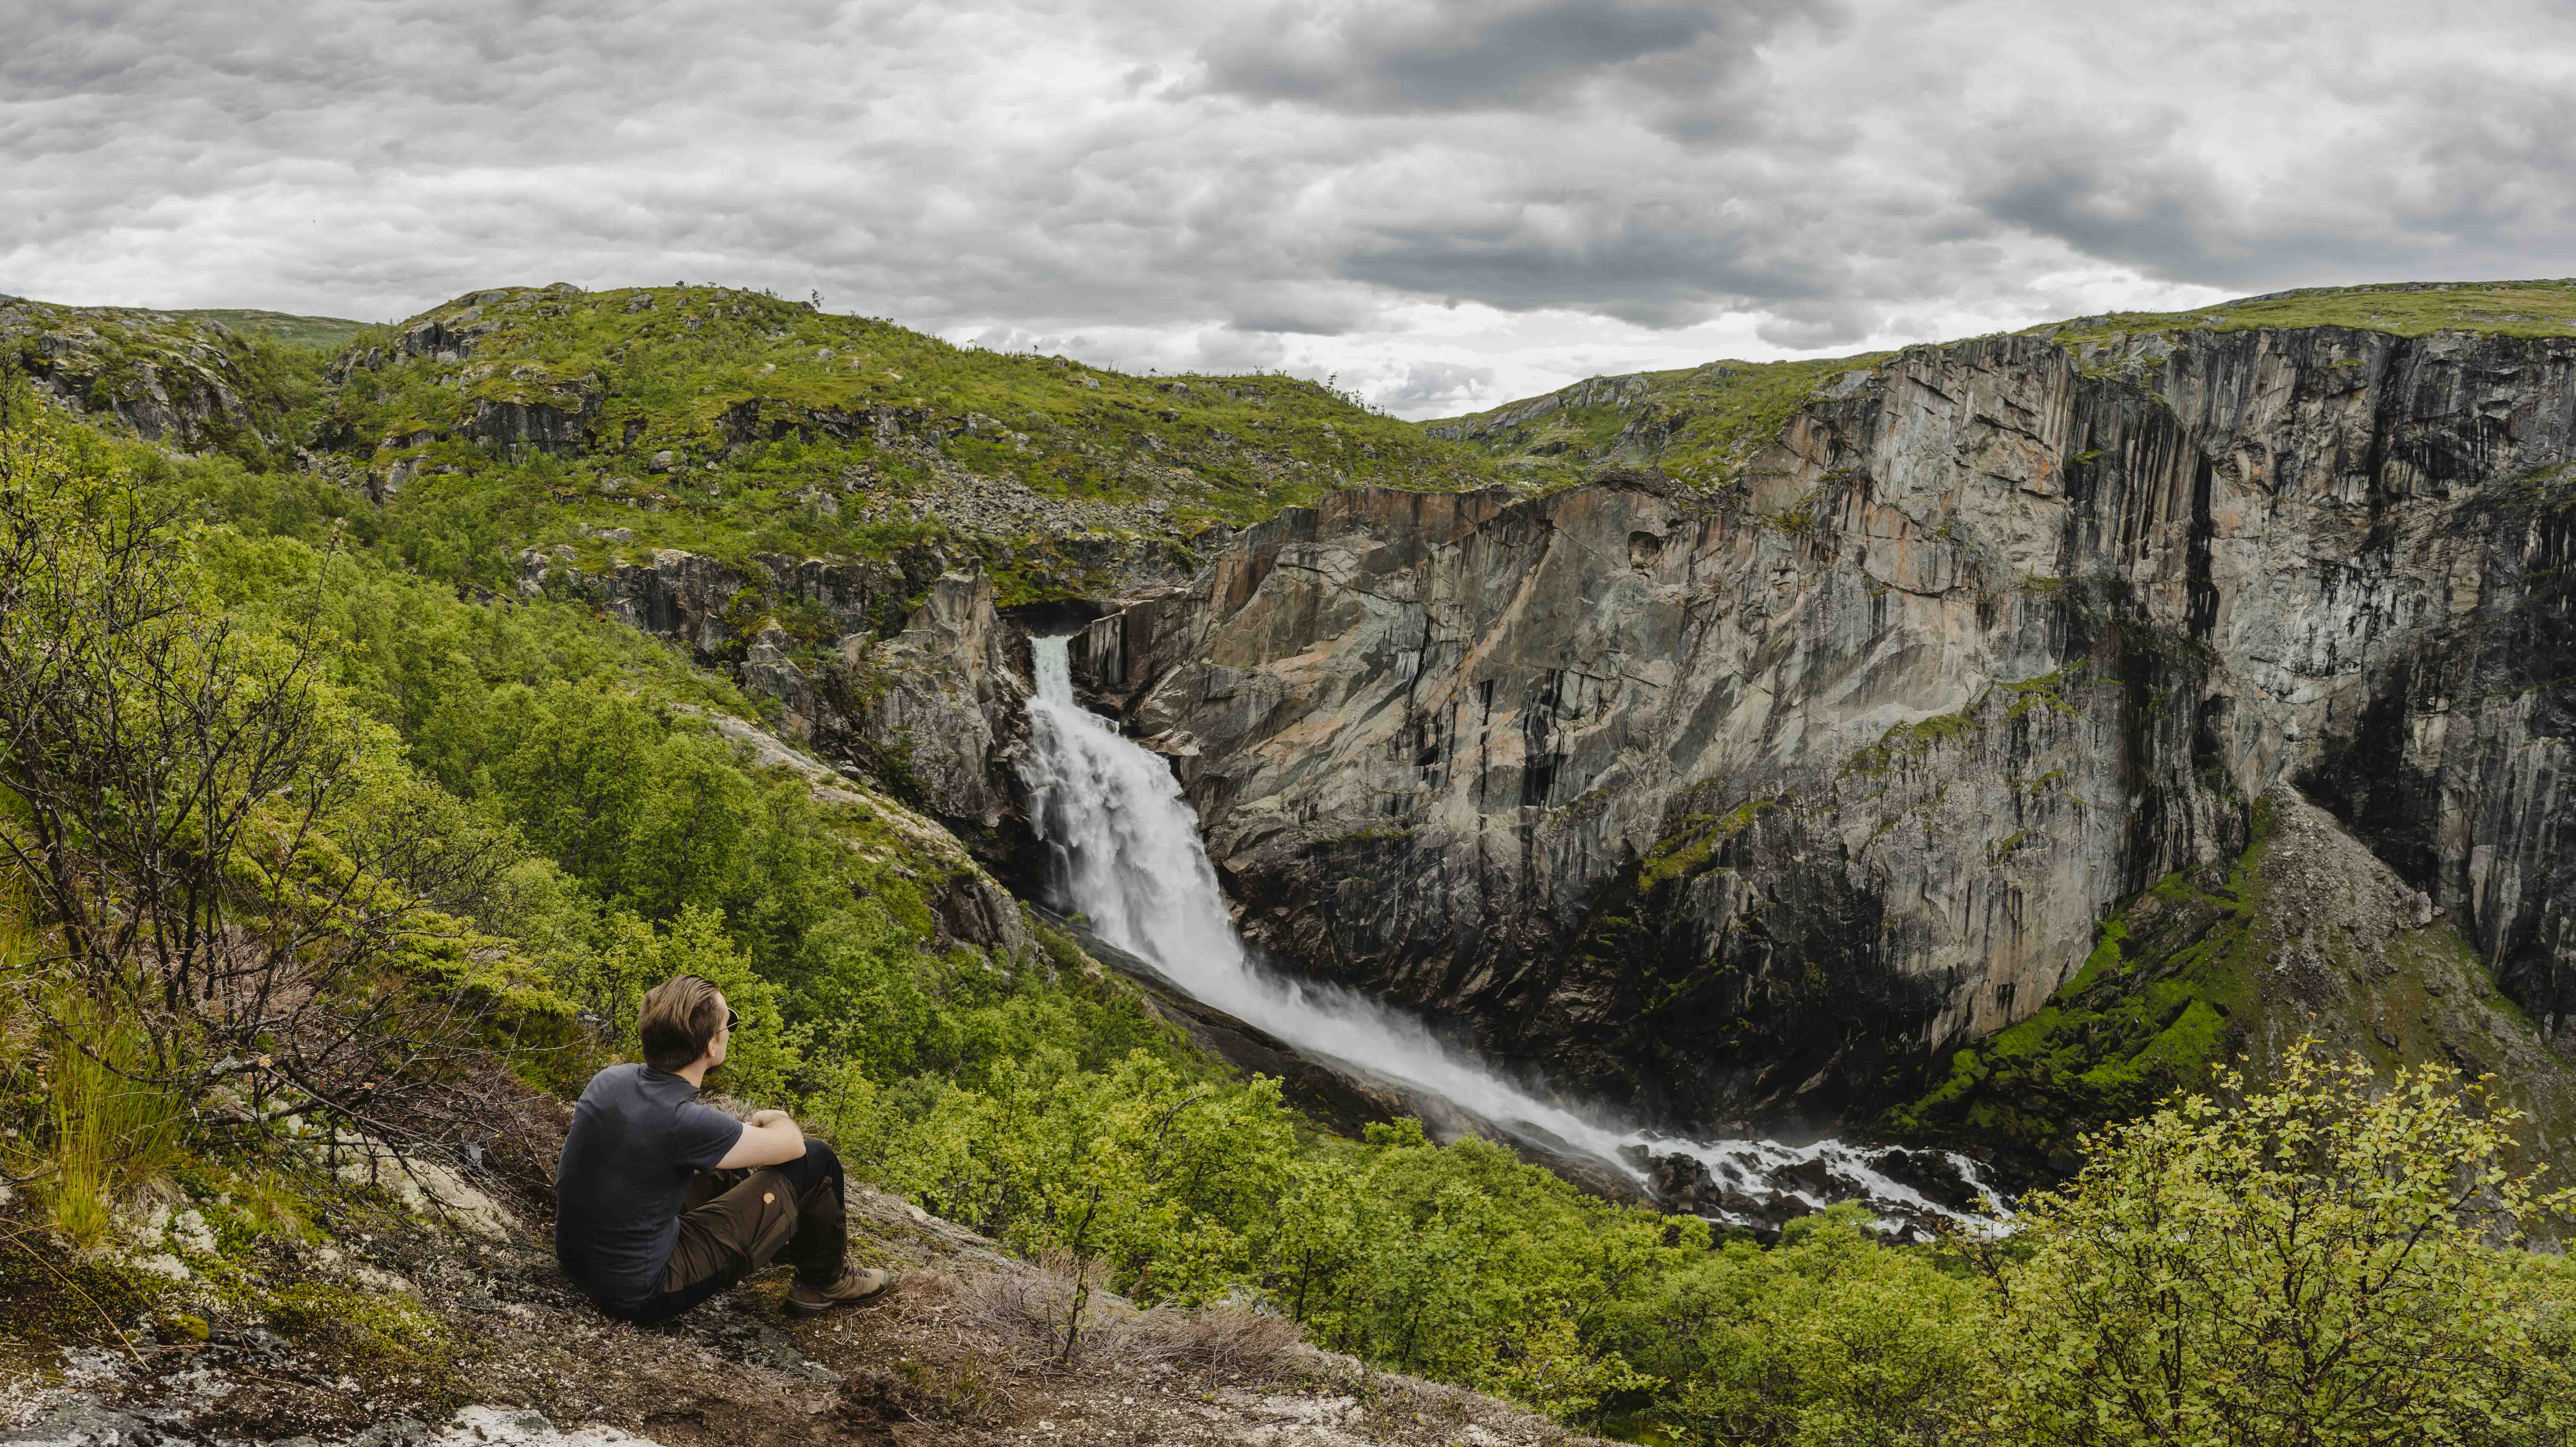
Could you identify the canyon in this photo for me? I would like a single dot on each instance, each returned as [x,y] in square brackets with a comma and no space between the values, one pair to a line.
[1747,805]
[1733,746]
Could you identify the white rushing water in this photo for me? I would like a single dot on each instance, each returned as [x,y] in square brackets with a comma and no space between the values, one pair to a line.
[1130,844]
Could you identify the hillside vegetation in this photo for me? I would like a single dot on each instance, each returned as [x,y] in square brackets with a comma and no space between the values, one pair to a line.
[188,379]
[2406,309]
[732,422]
[462,832]
[316,334]
[322,840]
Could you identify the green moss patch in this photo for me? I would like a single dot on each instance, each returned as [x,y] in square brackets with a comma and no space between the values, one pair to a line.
[377,1329]
[2148,1013]
[1693,841]
[2002,701]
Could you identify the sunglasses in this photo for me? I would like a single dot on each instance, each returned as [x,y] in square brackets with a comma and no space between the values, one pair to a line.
[733,1021]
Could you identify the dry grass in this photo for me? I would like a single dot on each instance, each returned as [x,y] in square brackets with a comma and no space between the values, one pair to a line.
[1233,1341]
[1030,1313]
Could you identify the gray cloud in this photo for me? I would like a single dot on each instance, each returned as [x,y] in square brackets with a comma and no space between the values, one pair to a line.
[1193,186]
[1438,387]
[1408,55]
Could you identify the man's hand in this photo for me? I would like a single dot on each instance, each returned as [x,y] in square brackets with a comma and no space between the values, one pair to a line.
[769,1138]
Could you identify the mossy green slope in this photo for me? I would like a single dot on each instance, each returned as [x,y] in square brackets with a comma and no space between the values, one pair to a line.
[2303,935]
[1699,424]
[733,422]
[2406,309]
[315,334]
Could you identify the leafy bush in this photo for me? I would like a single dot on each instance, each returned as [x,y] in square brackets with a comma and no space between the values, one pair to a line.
[1833,1337]
[2318,1264]
[226,859]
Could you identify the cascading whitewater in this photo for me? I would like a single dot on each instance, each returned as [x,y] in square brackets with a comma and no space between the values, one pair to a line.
[1134,865]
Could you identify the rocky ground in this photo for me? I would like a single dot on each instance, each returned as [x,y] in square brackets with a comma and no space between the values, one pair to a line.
[967,1348]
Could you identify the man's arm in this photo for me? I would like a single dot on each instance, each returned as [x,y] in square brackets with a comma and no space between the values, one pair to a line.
[769,1138]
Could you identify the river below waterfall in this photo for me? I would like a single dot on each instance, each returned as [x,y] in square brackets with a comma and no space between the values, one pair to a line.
[1128,857]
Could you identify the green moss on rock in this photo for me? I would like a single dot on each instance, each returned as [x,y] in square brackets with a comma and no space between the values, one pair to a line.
[2146,1014]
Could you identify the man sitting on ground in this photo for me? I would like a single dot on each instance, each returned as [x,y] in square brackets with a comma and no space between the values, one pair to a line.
[661,1202]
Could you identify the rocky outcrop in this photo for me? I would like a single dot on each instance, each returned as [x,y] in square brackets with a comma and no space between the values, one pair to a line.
[513,424]
[1750,804]
[452,333]
[935,709]
[168,379]
[716,609]
[942,705]
[1624,393]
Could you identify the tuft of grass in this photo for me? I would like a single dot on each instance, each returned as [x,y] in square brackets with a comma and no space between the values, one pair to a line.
[104,1130]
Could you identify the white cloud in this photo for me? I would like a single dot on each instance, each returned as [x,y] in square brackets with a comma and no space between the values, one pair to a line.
[1446,204]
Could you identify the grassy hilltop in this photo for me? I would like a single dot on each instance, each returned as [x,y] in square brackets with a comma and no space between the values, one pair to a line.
[734,422]
[1700,424]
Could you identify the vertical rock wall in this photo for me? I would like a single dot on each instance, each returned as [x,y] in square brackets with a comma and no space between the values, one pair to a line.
[1747,804]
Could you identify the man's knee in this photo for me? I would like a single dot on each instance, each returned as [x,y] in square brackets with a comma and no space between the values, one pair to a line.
[818,1165]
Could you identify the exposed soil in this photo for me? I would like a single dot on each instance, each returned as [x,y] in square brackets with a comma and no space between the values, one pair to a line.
[941,1359]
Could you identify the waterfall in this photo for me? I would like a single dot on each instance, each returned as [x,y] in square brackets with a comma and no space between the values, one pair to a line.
[1128,843]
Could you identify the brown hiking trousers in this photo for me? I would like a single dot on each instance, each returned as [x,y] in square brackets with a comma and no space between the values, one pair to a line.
[733,1223]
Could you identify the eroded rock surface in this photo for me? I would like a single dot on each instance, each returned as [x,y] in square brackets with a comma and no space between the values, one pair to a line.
[1747,805]
[935,707]
[944,701]
[169,379]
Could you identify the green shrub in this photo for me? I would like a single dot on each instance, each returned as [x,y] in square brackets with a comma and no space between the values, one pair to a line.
[1833,1337]
[2318,1264]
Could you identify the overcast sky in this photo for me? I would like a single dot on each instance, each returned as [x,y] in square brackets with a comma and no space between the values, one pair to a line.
[1447,204]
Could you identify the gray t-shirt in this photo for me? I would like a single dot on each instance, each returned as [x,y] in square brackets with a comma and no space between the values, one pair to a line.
[637,1137]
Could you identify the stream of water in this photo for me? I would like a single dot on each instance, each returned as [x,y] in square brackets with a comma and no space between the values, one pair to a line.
[1128,842]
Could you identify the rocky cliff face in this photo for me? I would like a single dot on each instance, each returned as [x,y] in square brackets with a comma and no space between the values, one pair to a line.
[934,708]
[1748,803]
[187,383]
[943,703]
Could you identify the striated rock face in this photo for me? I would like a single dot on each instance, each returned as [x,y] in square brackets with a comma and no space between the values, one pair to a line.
[942,704]
[1748,805]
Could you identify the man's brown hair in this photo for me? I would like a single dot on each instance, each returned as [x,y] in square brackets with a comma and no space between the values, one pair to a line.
[679,1017]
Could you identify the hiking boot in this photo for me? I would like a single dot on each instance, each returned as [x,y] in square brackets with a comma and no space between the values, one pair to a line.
[855,1284]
